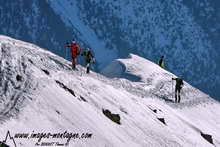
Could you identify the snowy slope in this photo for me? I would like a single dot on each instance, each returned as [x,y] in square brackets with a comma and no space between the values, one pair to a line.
[185,32]
[40,94]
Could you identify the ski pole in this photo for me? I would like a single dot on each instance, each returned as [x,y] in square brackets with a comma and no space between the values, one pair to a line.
[66,53]
[81,72]
[172,88]
[66,48]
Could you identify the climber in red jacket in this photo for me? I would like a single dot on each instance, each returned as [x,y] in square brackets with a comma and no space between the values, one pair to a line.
[75,51]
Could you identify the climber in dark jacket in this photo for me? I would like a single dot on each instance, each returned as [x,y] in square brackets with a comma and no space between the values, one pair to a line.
[178,87]
[161,62]
[89,58]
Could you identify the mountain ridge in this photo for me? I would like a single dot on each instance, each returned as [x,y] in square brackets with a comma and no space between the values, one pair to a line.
[73,101]
[185,32]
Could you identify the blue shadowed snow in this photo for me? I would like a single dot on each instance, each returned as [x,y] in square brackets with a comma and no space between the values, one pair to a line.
[118,70]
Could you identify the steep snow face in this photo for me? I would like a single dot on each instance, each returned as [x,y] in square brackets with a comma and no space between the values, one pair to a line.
[179,30]
[48,97]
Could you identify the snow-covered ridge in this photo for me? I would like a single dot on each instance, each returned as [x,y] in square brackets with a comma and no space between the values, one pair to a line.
[40,93]
[176,29]
[150,79]
[185,32]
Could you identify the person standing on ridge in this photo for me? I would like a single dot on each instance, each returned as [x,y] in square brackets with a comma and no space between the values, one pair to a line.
[89,58]
[161,62]
[75,51]
[178,87]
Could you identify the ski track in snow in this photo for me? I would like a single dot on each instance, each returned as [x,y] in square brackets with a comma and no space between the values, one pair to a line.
[62,99]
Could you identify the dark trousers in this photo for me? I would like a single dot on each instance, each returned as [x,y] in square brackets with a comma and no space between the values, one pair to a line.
[74,62]
[88,64]
[177,95]
[87,67]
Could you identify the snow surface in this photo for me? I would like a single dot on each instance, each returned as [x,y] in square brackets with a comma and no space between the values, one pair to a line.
[179,30]
[43,101]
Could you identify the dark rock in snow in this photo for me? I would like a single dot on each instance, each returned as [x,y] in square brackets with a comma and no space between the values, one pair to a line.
[45,71]
[19,78]
[58,112]
[114,117]
[66,88]
[83,99]
[207,137]
[155,110]
[162,120]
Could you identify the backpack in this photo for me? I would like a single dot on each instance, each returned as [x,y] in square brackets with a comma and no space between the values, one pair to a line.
[161,63]
[181,83]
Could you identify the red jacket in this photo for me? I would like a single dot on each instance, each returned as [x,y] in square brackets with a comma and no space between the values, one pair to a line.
[74,49]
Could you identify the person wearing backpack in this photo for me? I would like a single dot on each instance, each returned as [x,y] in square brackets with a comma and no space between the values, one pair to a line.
[75,51]
[178,87]
[89,58]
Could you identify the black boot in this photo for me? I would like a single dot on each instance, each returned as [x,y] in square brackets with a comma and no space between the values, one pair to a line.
[179,98]
[87,70]
[73,66]
[175,98]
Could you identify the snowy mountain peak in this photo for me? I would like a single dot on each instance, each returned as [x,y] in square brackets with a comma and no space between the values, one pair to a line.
[45,102]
